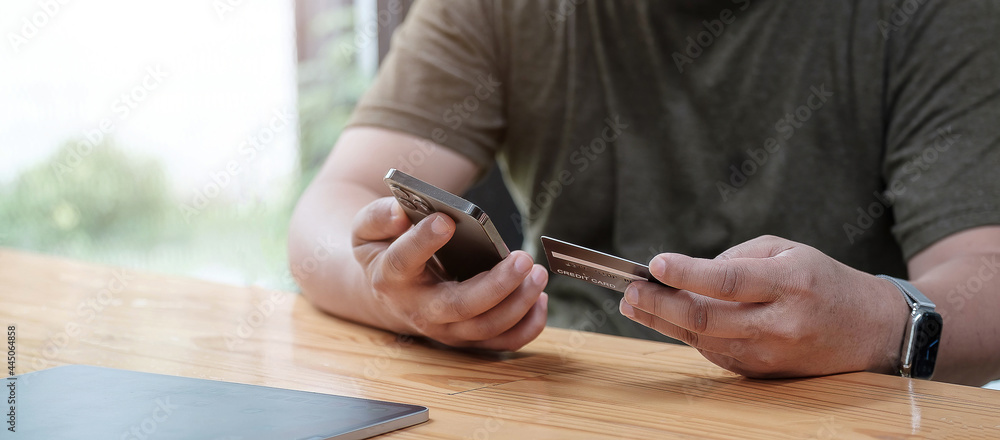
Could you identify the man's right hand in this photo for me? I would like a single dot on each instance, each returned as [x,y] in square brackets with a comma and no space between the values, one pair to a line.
[502,309]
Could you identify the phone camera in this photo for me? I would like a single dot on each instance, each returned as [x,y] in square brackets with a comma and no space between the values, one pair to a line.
[410,201]
[400,193]
[403,197]
[407,204]
[422,206]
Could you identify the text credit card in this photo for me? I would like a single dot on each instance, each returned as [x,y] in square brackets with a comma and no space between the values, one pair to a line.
[592,266]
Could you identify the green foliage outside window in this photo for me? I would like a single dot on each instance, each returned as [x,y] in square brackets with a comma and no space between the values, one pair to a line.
[118,208]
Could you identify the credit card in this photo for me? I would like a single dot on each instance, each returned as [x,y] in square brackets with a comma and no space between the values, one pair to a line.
[592,266]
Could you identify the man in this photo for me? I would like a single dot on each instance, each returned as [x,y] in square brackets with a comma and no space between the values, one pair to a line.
[768,159]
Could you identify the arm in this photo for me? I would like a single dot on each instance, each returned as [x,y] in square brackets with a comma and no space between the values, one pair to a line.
[355,256]
[961,274]
[350,179]
[775,308]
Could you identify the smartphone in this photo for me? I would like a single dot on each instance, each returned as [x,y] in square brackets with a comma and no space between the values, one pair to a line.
[476,246]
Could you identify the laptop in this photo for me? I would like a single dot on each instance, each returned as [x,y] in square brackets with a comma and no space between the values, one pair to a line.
[86,402]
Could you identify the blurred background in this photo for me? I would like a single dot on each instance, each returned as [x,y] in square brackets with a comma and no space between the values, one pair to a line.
[175,137]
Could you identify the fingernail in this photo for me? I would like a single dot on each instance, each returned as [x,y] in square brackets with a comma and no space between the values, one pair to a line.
[522,263]
[396,211]
[439,226]
[657,267]
[545,300]
[626,310]
[631,294]
[538,277]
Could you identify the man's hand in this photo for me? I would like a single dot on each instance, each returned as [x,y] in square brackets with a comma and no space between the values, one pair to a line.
[502,309]
[372,267]
[771,307]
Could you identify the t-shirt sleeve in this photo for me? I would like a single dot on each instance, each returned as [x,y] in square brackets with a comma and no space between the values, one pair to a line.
[440,80]
[942,162]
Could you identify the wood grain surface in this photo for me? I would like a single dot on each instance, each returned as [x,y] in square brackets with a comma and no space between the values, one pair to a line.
[566,384]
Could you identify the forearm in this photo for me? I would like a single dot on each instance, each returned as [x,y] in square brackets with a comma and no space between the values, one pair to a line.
[321,255]
[966,290]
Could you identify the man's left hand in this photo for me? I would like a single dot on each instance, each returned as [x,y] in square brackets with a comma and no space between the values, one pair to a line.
[771,307]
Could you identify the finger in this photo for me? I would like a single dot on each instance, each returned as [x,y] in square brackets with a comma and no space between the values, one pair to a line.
[406,258]
[525,331]
[508,313]
[374,225]
[737,279]
[702,342]
[697,313]
[725,361]
[761,247]
[472,297]
[749,368]
[380,220]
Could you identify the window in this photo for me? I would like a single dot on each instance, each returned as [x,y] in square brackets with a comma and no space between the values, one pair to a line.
[170,136]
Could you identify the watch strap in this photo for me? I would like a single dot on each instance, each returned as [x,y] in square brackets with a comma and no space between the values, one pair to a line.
[923,330]
[914,297]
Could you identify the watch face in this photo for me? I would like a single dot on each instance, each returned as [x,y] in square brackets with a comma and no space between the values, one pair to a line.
[925,347]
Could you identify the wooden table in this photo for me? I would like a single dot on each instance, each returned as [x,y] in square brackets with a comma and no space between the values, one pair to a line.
[566,384]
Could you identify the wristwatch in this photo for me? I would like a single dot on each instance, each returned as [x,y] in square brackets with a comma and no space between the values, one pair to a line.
[922,335]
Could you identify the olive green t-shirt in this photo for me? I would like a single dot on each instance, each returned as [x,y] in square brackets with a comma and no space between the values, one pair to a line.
[868,129]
